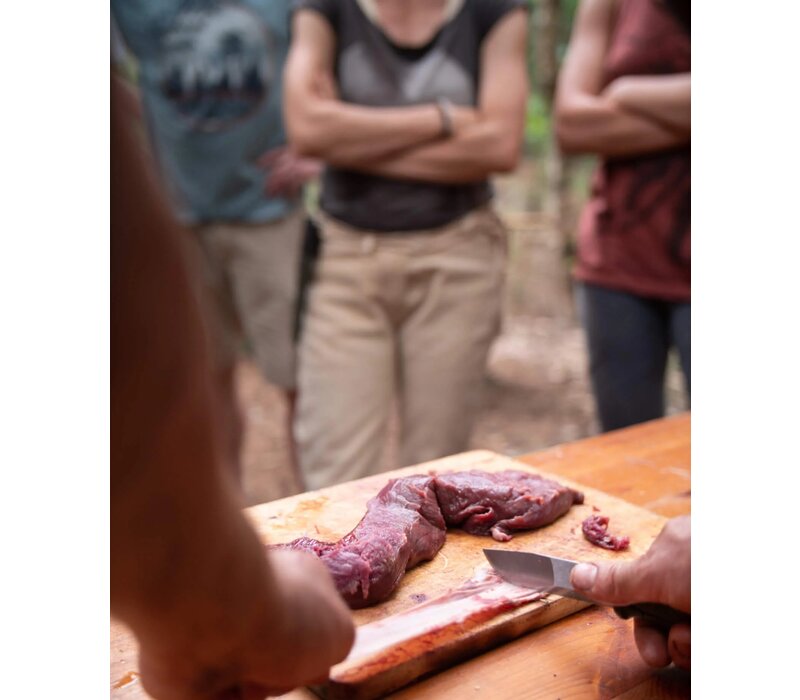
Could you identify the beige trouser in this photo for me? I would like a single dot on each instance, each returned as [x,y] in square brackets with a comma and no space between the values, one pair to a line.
[253,273]
[406,315]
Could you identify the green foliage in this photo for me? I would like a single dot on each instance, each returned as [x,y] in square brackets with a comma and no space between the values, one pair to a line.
[537,123]
[568,9]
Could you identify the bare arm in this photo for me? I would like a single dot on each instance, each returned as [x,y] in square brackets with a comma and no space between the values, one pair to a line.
[188,574]
[342,134]
[130,98]
[587,121]
[492,144]
[666,99]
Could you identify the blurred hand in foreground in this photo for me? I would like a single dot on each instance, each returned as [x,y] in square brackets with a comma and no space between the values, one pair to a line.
[273,640]
[215,615]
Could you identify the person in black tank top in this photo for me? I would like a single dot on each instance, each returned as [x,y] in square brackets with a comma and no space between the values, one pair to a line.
[411,132]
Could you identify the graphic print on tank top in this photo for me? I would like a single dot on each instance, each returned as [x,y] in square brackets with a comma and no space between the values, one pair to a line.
[374,71]
[217,64]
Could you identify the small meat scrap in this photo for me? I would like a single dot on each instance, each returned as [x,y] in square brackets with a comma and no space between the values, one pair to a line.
[595,529]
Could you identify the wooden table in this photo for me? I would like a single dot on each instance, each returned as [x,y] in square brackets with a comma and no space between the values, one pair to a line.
[588,655]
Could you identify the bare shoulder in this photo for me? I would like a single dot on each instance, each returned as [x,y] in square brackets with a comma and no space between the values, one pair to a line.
[509,34]
[596,15]
[313,43]
[310,26]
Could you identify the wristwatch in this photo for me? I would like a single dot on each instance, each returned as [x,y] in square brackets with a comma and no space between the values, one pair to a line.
[445,108]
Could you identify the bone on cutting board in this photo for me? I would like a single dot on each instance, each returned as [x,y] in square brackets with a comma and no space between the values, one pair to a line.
[481,597]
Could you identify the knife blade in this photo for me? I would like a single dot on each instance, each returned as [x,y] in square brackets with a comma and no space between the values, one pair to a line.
[551,574]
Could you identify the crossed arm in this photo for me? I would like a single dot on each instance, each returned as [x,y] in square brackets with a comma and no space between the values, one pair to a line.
[632,115]
[406,142]
[666,99]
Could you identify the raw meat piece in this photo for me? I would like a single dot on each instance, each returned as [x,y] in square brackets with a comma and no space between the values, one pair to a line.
[405,524]
[595,529]
[496,503]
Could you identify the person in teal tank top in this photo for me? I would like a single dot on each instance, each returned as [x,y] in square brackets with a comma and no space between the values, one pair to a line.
[209,77]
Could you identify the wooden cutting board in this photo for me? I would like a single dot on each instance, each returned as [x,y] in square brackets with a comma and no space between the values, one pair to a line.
[330,513]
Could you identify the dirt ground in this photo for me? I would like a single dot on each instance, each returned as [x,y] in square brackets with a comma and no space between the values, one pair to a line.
[536,395]
[536,386]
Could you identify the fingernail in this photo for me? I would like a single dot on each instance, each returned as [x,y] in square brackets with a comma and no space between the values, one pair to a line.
[583,576]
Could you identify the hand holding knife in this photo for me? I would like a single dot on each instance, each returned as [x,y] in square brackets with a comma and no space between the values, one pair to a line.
[655,589]
[552,574]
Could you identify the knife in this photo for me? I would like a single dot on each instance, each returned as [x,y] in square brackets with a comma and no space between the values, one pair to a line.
[551,574]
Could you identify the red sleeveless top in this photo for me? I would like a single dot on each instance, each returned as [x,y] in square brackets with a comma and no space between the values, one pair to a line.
[634,233]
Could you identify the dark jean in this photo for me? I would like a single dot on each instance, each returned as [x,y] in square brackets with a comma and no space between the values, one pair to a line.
[629,338]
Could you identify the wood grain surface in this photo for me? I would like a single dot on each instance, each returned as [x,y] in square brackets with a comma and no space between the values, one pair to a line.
[588,654]
[330,513]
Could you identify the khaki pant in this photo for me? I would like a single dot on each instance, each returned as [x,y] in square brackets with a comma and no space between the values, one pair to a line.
[253,273]
[408,316]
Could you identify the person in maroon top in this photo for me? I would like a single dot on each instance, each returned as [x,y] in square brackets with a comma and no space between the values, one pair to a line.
[624,94]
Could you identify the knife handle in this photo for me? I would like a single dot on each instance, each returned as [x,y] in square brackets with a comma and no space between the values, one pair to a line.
[654,613]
